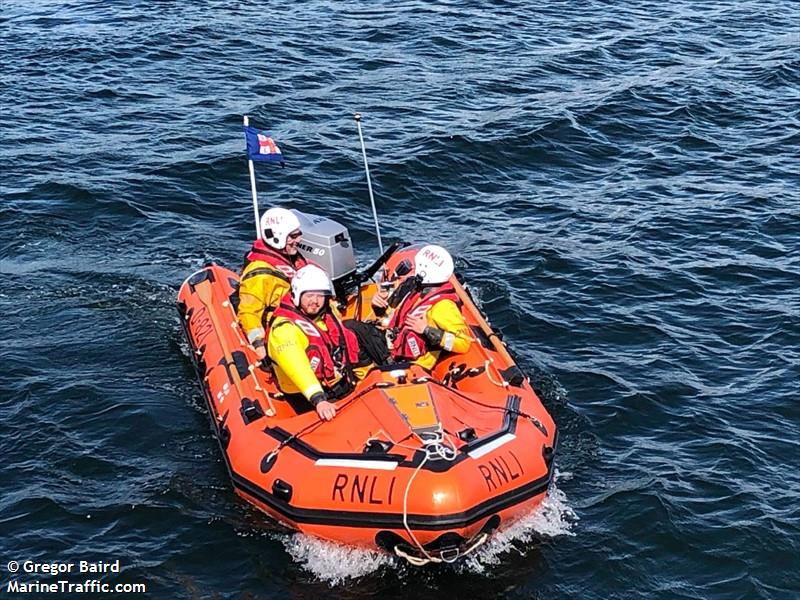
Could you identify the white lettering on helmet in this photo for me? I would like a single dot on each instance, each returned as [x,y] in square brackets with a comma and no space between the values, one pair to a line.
[433,257]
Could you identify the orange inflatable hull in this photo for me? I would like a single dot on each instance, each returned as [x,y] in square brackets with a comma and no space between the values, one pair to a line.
[426,466]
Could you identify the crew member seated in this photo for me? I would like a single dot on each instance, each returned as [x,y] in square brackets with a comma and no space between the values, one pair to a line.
[428,318]
[314,356]
[268,270]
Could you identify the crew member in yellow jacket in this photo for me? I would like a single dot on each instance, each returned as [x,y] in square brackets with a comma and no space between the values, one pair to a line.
[428,317]
[313,353]
[267,273]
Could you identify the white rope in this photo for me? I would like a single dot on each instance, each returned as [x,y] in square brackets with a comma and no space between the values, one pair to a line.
[502,384]
[237,329]
[405,516]
[235,324]
[477,543]
[270,412]
[252,369]
[417,562]
[445,451]
[433,447]
[440,446]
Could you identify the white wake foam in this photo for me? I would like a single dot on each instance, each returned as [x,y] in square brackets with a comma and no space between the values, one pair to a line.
[334,563]
[553,517]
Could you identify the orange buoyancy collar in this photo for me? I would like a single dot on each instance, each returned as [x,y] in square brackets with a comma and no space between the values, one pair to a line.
[408,343]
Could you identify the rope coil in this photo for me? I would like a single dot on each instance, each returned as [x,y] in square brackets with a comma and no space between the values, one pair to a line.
[434,446]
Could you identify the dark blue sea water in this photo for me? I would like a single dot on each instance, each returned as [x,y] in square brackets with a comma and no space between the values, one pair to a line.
[620,184]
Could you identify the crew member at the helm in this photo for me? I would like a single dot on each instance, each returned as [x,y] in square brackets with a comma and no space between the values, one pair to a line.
[267,272]
[428,318]
[313,354]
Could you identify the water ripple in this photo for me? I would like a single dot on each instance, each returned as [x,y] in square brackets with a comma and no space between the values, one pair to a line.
[619,187]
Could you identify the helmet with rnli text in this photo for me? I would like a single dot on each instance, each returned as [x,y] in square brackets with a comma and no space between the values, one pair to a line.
[310,279]
[433,265]
[276,225]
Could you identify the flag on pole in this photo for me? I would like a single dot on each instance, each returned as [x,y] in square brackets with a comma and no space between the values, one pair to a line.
[260,146]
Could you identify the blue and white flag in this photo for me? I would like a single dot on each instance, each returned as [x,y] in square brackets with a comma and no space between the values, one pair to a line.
[260,146]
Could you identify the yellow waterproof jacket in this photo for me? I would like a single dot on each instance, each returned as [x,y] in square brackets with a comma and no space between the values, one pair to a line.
[260,290]
[446,316]
[286,346]
[265,278]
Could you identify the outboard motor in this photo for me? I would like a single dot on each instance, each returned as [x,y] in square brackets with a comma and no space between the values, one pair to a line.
[327,243]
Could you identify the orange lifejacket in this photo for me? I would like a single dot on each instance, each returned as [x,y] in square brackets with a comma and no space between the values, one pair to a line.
[332,353]
[409,344]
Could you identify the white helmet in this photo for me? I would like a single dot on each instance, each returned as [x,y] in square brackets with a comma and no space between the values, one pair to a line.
[310,279]
[276,225]
[433,265]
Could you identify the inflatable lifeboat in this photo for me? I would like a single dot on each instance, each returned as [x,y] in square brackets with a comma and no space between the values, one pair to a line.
[426,466]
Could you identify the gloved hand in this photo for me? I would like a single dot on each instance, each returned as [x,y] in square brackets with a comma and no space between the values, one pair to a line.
[317,398]
[433,335]
[260,348]
[380,302]
[326,410]
[416,323]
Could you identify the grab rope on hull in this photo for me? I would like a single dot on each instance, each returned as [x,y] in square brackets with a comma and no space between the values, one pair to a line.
[434,447]
[420,562]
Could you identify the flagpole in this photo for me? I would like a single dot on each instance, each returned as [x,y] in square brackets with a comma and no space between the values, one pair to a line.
[357,117]
[253,188]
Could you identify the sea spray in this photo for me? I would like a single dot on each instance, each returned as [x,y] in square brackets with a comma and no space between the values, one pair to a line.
[552,518]
[331,562]
[335,563]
